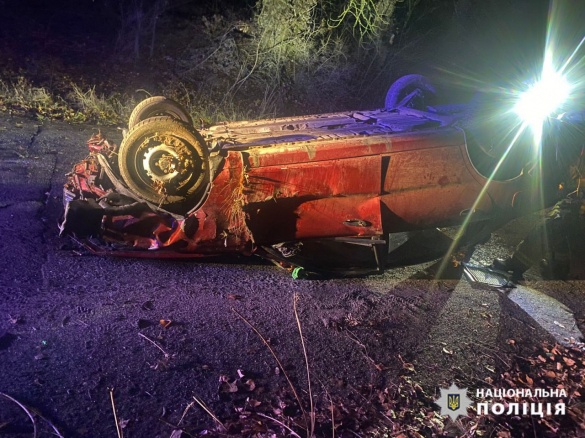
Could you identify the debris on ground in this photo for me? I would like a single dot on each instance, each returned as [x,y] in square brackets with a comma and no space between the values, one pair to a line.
[403,409]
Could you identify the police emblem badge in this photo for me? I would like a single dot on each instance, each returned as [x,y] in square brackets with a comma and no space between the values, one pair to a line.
[453,401]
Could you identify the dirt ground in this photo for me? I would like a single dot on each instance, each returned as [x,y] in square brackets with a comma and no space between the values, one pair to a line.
[75,326]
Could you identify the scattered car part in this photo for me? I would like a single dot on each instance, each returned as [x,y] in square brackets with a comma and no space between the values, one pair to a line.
[487,276]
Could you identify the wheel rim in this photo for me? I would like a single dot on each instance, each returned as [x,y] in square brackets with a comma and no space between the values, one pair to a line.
[168,165]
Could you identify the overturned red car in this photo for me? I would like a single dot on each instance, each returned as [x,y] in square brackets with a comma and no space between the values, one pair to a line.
[292,189]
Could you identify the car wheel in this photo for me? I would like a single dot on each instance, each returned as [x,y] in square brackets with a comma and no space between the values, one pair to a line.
[414,91]
[158,106]
[166,162]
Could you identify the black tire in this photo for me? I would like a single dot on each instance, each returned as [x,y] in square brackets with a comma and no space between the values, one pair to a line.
[166,162]
[403,87]
[158,106]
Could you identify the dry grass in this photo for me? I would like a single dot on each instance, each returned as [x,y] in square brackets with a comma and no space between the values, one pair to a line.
[20,95]
[113,108]
[403,409]
[311,430]
[76,104]
[32,414]
[118,428]
[328,416]
[208,411]
[275,356]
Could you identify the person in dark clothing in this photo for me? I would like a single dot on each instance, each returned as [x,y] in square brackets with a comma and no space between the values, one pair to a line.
[556,245]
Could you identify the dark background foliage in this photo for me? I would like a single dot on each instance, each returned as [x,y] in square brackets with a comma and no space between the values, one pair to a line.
[243,59]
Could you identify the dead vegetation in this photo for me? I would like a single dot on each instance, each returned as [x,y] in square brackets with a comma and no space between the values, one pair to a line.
[76,104]
[400,408]
[280,58]
[33,415]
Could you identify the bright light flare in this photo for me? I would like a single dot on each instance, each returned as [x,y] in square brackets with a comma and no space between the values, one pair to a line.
[543,98]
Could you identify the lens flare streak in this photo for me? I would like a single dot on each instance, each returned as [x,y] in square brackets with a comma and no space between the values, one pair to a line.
[482,193]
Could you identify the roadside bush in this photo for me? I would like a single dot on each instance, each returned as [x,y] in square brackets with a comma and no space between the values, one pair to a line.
[278,58]
[291,57]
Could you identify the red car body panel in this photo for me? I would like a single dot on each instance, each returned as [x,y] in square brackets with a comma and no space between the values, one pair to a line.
[361,175]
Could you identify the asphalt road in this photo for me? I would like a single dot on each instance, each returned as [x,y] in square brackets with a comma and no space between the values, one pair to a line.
[73,326]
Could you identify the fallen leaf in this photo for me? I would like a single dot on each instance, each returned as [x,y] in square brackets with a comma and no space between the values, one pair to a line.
[123,423]
[408,366]
[529,380]
[225,386]
[249,385]
[165,323]
[254,403]
[449,352]
[511,342]
[228,388]
[569,362]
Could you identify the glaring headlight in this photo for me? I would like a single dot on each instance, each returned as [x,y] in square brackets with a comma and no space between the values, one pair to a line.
[542,98]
